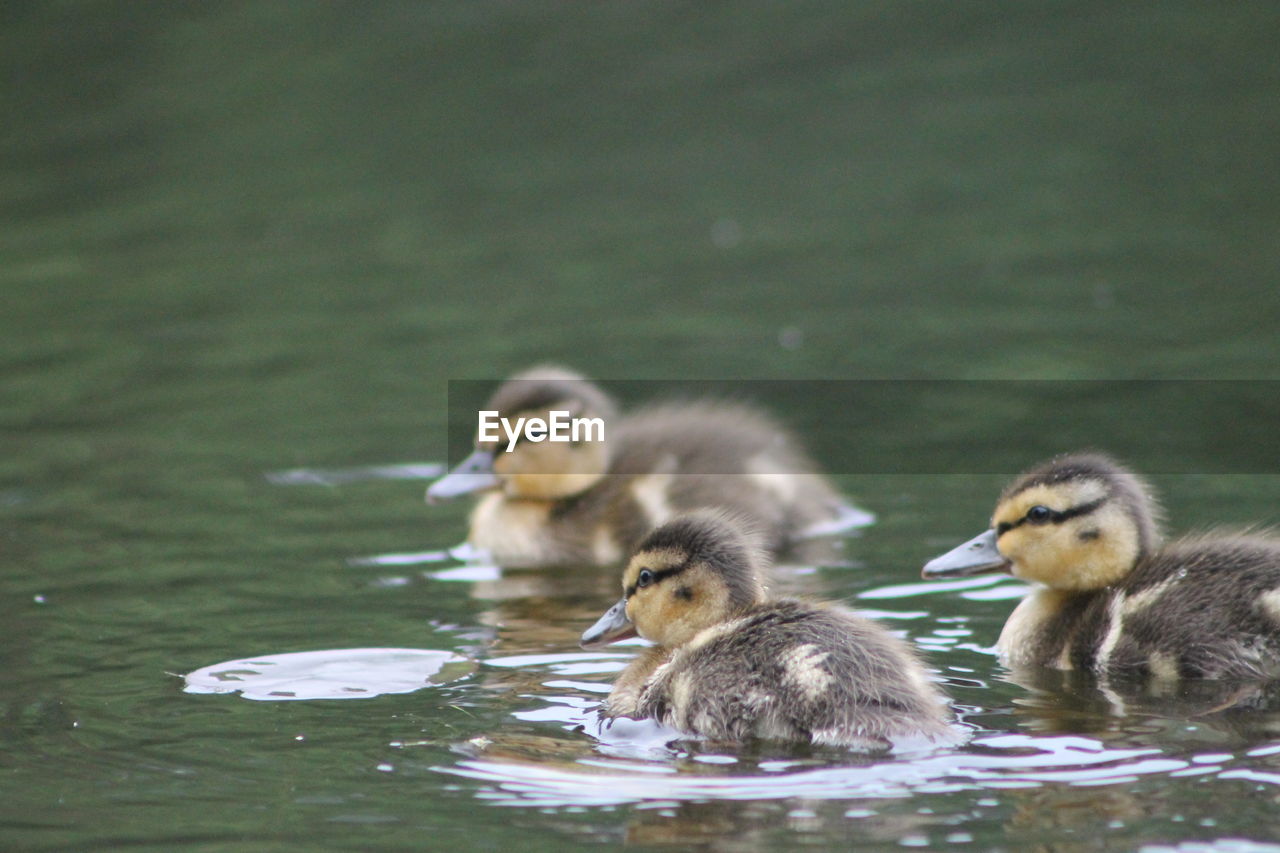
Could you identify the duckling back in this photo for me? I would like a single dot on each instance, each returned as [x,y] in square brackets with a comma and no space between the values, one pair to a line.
[725,455]
[1201,607]
[796,671]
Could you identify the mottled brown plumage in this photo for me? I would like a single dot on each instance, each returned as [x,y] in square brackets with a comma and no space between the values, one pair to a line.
[592,502]
[732,665]
[1112,599]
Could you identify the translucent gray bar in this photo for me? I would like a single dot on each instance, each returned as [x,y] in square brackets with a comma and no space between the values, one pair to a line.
[977,427]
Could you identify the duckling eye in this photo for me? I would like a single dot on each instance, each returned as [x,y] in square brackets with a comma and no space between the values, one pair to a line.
[644,578]
[1039,514]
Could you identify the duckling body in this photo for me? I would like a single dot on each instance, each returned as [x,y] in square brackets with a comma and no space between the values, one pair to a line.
[795,671]
[1110,599]
[593,502]
[732,665]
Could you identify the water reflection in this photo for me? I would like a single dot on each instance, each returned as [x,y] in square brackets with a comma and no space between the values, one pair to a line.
[1204,710]
[996,762]
[1049,755]
[751,826]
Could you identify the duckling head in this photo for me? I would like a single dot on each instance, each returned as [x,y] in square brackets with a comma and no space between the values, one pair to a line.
[697,570]
[1075,523]
[526,467]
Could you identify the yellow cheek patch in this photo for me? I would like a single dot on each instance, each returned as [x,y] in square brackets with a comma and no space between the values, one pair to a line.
[673,612]
[547,470]
[548,487]
[657,617]
[1089,551]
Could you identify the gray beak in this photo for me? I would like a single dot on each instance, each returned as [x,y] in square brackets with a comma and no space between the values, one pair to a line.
[609,628]
[473,474]
[976,557]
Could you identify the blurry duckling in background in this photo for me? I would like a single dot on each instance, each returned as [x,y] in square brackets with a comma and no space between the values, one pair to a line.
[549,503]
[1110,598]
[730,665]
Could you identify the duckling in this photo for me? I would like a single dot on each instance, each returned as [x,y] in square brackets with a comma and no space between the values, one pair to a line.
[730,664]
[1109,597]
[592,501]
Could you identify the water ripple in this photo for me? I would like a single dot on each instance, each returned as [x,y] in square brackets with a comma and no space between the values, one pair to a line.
[639,762]
[907,590]
[998,762]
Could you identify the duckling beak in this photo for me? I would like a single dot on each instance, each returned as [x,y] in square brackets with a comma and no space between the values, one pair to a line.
[609,628]
[472,474]
[978,556]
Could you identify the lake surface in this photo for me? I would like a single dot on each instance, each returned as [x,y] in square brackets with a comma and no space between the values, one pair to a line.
[245,248]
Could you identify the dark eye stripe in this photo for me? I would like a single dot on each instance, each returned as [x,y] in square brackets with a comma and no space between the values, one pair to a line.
[1055,516]
[658,577]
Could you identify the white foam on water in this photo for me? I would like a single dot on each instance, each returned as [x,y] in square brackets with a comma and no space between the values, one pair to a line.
[340,476]
[330,674]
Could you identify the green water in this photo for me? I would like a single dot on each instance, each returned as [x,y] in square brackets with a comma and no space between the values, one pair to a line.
[241,238]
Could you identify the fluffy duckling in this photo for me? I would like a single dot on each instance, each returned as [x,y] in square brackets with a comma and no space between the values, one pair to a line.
[729,664]
[592,501]
[1110,598]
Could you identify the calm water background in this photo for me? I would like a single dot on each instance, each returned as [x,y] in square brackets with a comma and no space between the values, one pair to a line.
[238,238]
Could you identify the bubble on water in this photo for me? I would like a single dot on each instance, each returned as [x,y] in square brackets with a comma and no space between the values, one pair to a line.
[330,674]
[726,233]
[341,476]
[791,337]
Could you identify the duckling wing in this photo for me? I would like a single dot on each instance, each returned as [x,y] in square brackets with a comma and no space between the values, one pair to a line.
[798,673]
[1199,608]
[727,455]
